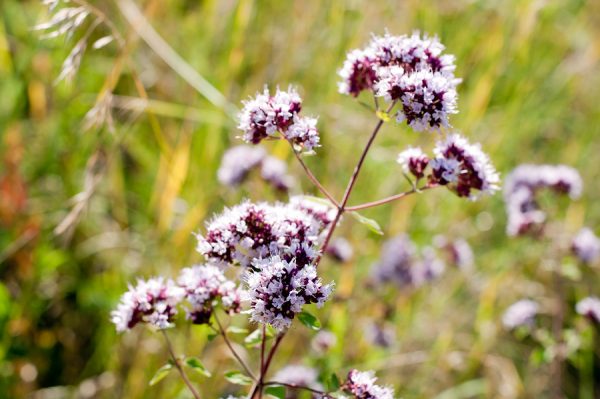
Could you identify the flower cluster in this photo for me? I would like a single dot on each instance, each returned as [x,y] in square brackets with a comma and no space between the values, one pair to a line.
[323,341]
[521,187]
[239,161]
[323,212]
[590,308]
[250,231]
[299,375]
[278,290]
[380,334]
[361,384]
[414,161]
[521,313]
[427,98]
[265,115]
[461,166]
[401,264]
[205,286]
[340,250]
[153,302]
[458,252]
[586,245]
[409,69]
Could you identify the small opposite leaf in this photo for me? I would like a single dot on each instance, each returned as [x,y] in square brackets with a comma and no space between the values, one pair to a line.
[237,330]
[334,382]
[277,391]
[370,223]
[238,378]
[196,364]
[254,338]
[160,374]
[309,321]
[211,336]
[384,116]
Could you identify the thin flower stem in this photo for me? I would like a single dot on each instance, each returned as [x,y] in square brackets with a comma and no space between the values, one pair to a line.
[222,332]
[312,178]
[387,200]
[295,386]
[258,386]
[177,363]
[262,348]
[352,182]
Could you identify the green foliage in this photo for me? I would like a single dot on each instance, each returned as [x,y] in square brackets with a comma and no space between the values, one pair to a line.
[238,378]
[309,321]
[195,364]
[276,391]
[160,374]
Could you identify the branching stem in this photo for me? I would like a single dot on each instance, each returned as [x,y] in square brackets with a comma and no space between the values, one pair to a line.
[177,363]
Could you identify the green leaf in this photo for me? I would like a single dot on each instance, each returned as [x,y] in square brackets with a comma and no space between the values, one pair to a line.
[237,330]
[277,391]
[309,321]
[238,378]
[196,364]
[384,116]
[254,338]
[370,223]
[211,336]
[334,382]
[161,373]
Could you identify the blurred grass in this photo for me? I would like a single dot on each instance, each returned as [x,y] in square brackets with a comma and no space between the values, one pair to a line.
[530,71]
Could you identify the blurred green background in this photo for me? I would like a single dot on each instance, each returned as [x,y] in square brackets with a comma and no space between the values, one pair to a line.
[531,73]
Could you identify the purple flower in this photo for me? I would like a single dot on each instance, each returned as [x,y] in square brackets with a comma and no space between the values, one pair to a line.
[279,289]
[364,68]
[303,133]
[361,384]
[320,210]
[586,245]
[296,374]
[274,171]
[590,308]
[358,72]
[413,160]
[463,167]
[340,249]
[237,162]
[459,252]
[265,115]
[413,53]
[380,334]
[521,187]
[250,231]
[323,341]
[206,286]
[521,313]
[153,302]
[398,256]
[428,268]
[427,98]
